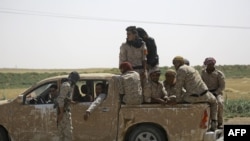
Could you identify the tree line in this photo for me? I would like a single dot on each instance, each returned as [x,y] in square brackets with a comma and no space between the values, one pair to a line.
[24,80]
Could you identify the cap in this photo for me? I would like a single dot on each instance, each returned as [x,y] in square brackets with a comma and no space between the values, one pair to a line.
[155,70]
[170,72]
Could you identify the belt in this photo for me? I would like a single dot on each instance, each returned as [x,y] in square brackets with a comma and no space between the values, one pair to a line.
[213,90]
[137,67]
[198,95]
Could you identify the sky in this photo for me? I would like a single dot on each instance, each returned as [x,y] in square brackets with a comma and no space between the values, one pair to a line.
[69,34]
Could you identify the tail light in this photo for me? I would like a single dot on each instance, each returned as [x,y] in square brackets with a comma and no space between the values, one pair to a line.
[204,120]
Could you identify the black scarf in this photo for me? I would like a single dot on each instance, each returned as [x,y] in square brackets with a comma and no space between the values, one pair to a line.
[137,43]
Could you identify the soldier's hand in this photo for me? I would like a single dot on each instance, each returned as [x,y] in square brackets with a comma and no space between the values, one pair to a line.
[73,102]
[86,115]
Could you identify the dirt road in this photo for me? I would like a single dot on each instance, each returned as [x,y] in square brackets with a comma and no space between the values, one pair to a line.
[238,120]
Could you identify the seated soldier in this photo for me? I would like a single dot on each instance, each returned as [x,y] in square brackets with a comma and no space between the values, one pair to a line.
[51,97]
[87,97]
[100,89]
[154,91]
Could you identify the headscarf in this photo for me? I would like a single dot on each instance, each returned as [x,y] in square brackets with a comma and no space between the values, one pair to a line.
[141,32]
[126,66]
[209,60]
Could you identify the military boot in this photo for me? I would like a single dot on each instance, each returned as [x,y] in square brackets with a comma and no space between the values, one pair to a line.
[220,126]
[213,125]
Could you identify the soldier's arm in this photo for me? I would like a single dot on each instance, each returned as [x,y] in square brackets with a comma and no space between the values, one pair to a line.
[221,80]
[144,57]
[180,79]
[122,54]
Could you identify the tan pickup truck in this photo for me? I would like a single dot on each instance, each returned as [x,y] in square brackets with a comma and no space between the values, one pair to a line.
[23,120]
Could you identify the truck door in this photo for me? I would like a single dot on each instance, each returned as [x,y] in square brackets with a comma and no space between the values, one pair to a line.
[34,121]
[101,125]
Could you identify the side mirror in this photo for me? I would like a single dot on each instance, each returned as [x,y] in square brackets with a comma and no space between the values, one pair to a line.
[20,99]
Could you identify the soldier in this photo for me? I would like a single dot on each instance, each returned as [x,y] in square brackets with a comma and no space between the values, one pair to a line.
[152,56]
[51,97]
[129,85]
[64,99]
[195,89]
[215,81]
[100,88]
[169,82]
[134,51]
[154,91]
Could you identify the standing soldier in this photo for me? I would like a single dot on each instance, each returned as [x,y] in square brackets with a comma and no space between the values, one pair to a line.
[152,56]
[195,89]
[64,121]
[215,81]
[134,51]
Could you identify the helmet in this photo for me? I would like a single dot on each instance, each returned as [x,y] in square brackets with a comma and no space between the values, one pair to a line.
[179,59]
[74,76]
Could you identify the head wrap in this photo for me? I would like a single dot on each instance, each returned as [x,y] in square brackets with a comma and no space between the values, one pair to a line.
[141,32]
[126,66]
[209,60]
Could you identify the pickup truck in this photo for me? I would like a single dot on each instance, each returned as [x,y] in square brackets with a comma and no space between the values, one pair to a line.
[23,120]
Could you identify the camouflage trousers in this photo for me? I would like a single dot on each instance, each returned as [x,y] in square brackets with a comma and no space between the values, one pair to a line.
[209,98]
[220,102]
[132,99]
[65,127]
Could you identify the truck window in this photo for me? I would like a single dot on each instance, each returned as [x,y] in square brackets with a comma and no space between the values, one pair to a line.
[39,94]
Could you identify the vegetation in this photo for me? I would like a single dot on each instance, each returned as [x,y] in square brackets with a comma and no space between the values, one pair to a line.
[237,107]
[15,78]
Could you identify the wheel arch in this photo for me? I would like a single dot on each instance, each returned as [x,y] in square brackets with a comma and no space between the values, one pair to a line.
[151,124]
[6,131]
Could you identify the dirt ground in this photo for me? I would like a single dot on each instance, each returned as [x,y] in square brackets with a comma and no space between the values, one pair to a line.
[238,120]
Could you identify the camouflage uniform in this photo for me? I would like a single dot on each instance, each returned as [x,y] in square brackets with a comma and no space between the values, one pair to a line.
[134,55]
[171,90]
[153,90]
[65,125]
[216,84]
[130,87]
[196,90]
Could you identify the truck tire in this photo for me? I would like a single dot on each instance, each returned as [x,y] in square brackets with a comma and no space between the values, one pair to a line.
[146,132]
[3,135]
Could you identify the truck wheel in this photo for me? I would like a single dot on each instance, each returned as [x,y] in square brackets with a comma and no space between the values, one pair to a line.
[146,133]
[3,135]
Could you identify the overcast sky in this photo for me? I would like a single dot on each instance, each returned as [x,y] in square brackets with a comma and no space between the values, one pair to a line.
[49,34]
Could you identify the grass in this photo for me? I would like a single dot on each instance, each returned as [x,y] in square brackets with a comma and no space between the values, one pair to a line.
[10,93]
